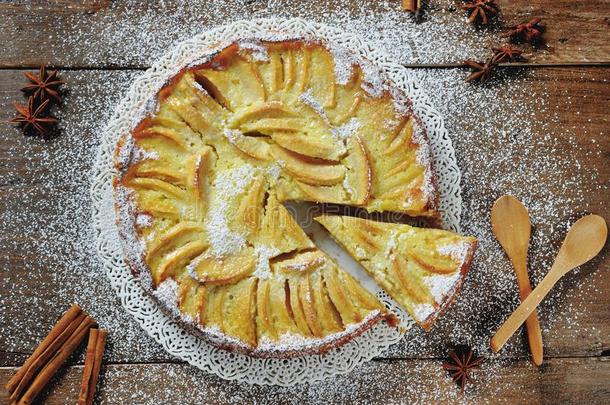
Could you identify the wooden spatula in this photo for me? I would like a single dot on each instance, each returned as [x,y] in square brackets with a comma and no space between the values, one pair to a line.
[511,225]
[582,243]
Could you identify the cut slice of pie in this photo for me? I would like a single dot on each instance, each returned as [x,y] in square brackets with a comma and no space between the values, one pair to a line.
[421,269]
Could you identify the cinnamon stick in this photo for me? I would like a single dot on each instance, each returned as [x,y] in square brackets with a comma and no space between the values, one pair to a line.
[55,363]
[410,5]
[59,327]
[88,368]
[93,363]
[47,355]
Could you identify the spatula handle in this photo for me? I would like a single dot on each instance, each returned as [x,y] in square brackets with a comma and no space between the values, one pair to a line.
[525,309]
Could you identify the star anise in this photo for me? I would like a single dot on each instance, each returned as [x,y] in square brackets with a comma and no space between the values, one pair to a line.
[33,117]
[530,31]
[507,54]
[460,364]
[481,11]
[44,85]
[482,72]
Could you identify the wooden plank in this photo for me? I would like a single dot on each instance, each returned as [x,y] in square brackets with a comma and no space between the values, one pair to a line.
[43,200]
[377,382]
[99,33]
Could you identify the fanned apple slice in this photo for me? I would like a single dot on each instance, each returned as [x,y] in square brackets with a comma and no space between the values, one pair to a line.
[281,229]
[214,308]
[410,283]
[179,257]
[160,186]
[269,125]
[198,173]
[178,235]
[271,72]
[339,298]
[323,69]
[155,169]
[194,117]
[301,263]
[307,170]
[269,109]
[327,314]
[193,87]
[435,251]
[290,68]
[264,320]
[307,300]
[227,270]
[168,135]
[279,303]
[322,147]
[166,209]
[401,137]
[239,83]
[296,308]
[192,299]
[240,311]
[364,297]
[359,174]
[248,216]
[332,194]
[255,147]
[303,62]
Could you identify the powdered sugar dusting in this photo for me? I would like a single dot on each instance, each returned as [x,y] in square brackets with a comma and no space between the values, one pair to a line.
[167,293]
[346,130]
[524,156]
[258,51]
[227,184]
[264,254]
[441,285]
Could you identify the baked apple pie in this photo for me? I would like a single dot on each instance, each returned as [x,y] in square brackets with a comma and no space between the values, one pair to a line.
[203,177]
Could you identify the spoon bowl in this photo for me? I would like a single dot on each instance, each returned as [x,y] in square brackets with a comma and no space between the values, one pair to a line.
[584,241]
[511,225]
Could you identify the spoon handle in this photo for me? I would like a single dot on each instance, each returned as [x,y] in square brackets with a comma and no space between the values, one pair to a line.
[534,334]
[524,310]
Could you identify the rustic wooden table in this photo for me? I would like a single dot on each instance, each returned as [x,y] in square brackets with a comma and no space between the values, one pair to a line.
[561,168]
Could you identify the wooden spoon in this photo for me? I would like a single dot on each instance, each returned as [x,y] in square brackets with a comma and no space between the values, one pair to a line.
[582,243]
[511,225]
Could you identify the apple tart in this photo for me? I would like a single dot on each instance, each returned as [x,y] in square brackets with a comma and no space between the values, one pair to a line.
[421,269]
[202,180]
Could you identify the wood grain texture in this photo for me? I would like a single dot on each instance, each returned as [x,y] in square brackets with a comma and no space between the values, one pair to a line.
[577,32]
[44,185]
[566,381]
[35,188]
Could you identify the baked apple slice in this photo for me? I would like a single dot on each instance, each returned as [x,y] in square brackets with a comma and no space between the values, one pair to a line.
[359,174]
[301,263]
[321,147]
[296,308]
[192,298]
[227,270]
[253,146]
[327,314]
[198,173]
[306,298]
[239,83]
[240,311]
[309,171]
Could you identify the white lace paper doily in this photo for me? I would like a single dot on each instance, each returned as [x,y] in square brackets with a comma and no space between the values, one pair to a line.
[174,339]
